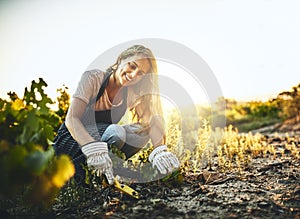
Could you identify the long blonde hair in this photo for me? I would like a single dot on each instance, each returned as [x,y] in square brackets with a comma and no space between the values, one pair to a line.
[143,97]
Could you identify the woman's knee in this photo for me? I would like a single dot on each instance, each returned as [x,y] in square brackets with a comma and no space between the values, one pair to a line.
[114,135]
[134,136]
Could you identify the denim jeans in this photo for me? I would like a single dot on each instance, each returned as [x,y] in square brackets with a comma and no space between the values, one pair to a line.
[125,138]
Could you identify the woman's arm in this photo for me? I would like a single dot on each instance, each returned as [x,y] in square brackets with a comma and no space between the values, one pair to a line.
[96,152]
[156,125]
[157,131]
[74,124]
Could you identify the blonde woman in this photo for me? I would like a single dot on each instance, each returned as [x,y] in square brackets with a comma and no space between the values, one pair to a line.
[98,104]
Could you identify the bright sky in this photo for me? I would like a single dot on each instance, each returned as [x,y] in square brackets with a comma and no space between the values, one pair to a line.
[252,46]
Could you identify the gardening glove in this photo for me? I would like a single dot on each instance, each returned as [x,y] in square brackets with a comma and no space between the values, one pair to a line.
[99,160]
[163,160]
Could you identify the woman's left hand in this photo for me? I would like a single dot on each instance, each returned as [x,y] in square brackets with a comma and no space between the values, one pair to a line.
[163,160]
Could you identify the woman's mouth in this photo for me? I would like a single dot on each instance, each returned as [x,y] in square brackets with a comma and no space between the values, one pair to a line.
[127,78]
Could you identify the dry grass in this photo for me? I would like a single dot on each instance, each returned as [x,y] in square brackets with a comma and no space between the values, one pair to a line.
[225,148]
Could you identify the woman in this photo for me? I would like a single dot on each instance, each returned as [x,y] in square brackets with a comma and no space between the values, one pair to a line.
[100,101]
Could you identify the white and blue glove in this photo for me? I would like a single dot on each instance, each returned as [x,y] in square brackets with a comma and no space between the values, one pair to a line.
[99,160]
[163,160]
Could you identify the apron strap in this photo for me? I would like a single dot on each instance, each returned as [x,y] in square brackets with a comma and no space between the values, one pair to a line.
[103,85]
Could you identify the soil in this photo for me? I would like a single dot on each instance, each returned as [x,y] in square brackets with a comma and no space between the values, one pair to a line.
[268,188]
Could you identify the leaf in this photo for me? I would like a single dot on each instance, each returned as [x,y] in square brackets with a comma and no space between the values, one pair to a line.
[13,96]
[53,118]
[30,127]
[17,104]
[175,178]
[38,161]
[64,171]
[35,93]
[17,155]
[48,132]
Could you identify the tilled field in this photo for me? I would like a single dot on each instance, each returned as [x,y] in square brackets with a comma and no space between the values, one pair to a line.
[268,188]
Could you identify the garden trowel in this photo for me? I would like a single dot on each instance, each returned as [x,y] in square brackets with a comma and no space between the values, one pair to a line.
[125,189]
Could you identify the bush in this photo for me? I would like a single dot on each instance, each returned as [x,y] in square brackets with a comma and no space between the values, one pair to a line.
[30,173]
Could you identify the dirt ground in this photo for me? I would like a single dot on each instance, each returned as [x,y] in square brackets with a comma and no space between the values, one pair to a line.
[268,188]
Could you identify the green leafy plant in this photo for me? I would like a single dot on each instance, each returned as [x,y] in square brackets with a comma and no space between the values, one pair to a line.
[63,101]
[28,166]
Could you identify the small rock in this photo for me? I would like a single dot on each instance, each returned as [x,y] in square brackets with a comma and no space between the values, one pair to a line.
[263,204]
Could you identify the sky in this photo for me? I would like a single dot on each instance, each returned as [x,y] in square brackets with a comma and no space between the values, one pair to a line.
[252,47]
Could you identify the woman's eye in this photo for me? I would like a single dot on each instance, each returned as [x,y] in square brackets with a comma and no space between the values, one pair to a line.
[132,66]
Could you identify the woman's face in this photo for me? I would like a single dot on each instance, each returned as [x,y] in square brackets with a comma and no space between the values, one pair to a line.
[131,70]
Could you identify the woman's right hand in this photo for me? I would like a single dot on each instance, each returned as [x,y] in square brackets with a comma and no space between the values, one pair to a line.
[99,160]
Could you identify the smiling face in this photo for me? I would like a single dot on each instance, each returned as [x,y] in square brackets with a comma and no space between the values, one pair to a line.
[131,70]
